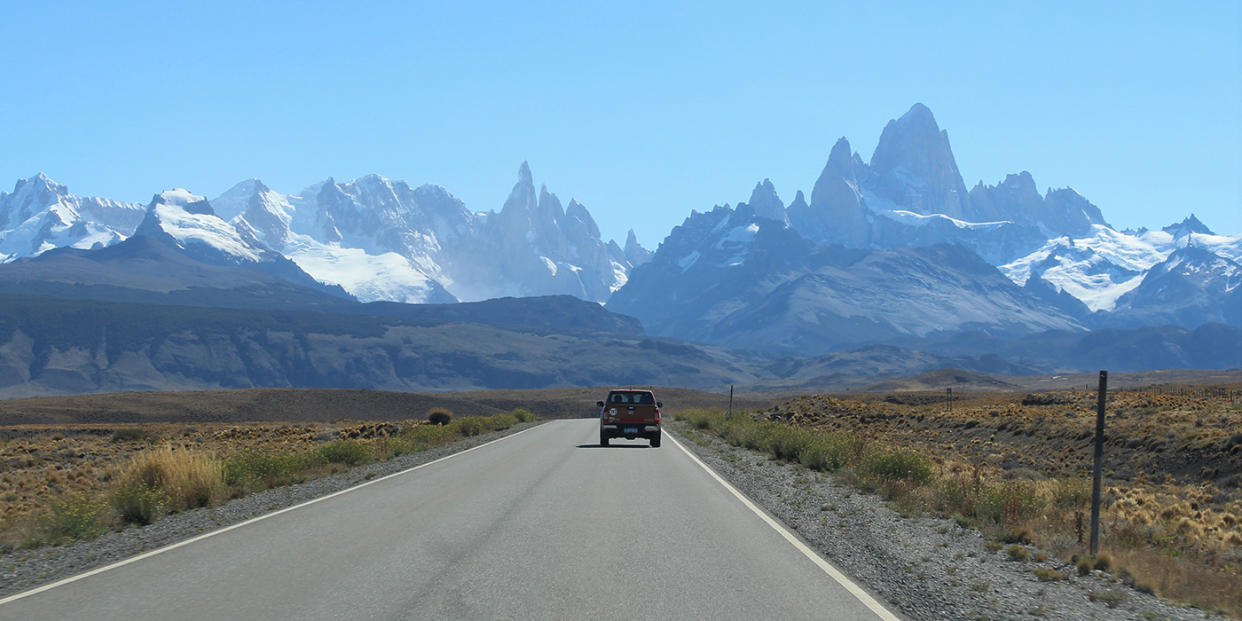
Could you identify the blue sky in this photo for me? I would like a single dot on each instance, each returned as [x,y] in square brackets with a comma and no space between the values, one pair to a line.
[643,111]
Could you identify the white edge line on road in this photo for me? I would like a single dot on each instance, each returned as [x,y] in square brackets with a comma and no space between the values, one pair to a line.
[135,559]
[828,568]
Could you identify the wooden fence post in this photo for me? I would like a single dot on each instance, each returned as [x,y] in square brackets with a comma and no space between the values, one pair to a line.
[1096,471]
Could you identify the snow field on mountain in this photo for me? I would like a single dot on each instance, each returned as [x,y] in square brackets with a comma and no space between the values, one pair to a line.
[368,277]
[189,228]
[1100,268]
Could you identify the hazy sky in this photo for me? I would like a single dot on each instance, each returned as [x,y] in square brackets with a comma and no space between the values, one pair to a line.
[642,111]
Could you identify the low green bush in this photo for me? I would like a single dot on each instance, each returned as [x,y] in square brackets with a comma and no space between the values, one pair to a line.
[1070,494]
[499,422]
[700,418]
[898,464]
[784,441]
[1112,599]
[957,495]
[422,437]
[260,470]
[137,502]
[1008,502]
[469,426]
[76,517]
[523,416]
[1018,553]
[348,452]
[398,446]
[132,435]
[826,452]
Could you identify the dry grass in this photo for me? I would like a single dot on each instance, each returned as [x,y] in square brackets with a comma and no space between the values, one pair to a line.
[1017,467]
[63,482]
[327,405]
[187,478]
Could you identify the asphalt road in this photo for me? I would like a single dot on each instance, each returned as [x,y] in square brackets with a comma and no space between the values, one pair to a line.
[543,524]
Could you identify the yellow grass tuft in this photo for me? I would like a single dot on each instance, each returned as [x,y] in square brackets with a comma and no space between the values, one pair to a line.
[1007,467]
[187,479]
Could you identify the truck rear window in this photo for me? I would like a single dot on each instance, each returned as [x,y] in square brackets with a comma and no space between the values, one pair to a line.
[642,398]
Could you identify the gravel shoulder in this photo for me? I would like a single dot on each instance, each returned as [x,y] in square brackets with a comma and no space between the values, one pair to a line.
[22,570]
[923,568]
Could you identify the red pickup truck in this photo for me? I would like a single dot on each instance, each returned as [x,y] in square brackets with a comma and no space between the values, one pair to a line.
[629,414]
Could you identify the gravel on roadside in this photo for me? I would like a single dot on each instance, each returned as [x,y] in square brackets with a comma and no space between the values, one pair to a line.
[21,570]
[921,567]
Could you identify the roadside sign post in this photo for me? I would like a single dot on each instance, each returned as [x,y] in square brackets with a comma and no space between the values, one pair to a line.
[1096,470]
[949,391]
[730,400]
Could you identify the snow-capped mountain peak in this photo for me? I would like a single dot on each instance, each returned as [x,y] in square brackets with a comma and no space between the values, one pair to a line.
[252,204]
[185,200]
[191,223]
[1192,286]
[40,215]
[1191,225]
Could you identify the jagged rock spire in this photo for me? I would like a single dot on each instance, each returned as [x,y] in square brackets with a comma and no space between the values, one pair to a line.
[765,202]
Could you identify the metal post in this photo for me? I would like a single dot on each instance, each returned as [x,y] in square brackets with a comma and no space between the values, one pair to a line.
[1099,457]
[949,391]
[730,400]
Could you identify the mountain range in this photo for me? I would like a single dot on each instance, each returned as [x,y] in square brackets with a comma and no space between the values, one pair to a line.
[889,267]
[897,248]
[54,345]
[374,238]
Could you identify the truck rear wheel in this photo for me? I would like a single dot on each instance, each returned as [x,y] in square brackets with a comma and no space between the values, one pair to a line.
[655,441]
[603,439]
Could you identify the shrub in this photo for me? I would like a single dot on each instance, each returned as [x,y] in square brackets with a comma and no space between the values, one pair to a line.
[76,517]
[1017,553]
[1083,566]
[348,452]
[136,502]
[132,434]
[827,453]
[439,416]
[398,446]
[1071,494]
[1103,562]
[957,495]
[701,419]
[523,416]
[744,434]
[1009,502]
[784,441]
[424,436]
[898,464]
[1048,575]
[500,422]
[1110,598]
[183,480]
[1020,534]
[469,426]
[258,470]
